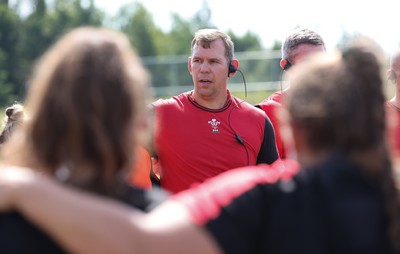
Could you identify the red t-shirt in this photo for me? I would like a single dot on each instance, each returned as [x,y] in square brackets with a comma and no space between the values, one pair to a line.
[194,143]
[270,106]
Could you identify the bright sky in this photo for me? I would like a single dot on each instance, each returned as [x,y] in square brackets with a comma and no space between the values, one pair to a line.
[272,20]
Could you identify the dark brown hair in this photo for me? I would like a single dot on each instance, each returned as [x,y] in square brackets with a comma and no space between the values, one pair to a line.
[85,101]
[338,100]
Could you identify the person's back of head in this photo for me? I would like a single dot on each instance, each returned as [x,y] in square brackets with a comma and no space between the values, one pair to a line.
[86,98]
[14,118]
[337,101]
[299,37]
[340,98]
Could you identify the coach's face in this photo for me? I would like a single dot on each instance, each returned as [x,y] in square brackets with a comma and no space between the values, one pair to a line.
[209,69]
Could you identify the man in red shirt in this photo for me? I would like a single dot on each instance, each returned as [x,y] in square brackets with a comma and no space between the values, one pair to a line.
[204,132]
[297,47]
[393,105]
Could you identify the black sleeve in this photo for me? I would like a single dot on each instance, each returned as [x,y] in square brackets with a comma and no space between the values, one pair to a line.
[239,227]
[20,236]
[144,200]
[268,152]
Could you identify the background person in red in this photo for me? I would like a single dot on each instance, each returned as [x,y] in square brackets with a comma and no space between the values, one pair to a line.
[393,105]
[204,132]
[297,47]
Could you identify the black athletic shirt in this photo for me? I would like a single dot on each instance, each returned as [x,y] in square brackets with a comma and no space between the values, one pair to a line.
[330,208]
[19,236]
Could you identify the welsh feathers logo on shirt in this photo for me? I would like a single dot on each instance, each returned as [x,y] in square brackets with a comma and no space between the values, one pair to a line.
[214,124]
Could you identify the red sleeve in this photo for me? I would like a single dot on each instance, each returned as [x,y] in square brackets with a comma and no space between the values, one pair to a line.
[270,108]
[205,201]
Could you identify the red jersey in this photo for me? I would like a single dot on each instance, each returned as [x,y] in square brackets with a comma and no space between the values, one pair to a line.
[271,106]
[393,134]
[194,143]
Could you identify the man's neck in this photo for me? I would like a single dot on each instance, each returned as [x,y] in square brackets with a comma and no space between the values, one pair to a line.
[211,103]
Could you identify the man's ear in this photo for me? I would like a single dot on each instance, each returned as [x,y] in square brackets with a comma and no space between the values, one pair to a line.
[285,64]
[190,65]
[234,63]
[282,63]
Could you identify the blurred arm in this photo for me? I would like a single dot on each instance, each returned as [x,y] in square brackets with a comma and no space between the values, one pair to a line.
[84,223]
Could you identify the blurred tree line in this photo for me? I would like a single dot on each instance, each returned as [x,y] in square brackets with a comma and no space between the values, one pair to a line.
[25,36]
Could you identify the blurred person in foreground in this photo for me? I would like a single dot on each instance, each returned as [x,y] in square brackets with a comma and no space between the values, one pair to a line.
[86,105]
[342,199]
